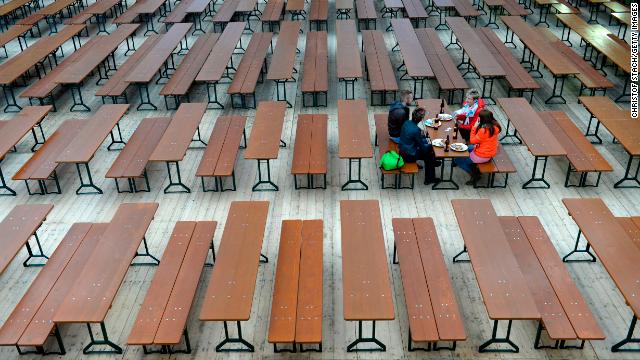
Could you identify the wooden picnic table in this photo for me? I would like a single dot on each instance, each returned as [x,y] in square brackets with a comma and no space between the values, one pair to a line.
[414,59]
[230,292]
[17,227]
[366,14]
[480,60]
[530,129]
[620,256]
[366,290]
[282,65]
[503,286]
[354,141]
[310,150]
[265,142]
[96,286]
[348,62]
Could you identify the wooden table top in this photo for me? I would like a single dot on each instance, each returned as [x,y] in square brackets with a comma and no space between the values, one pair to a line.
[348,55]
[354,139]
[618,121]
[100,7]
[153,60]
[623,17]
[344,5]
[618,253]
[366,9]
[12,131]
[366,290]
[56,7]
[503,287]
[11,6]
[230,291]
[90,298]
[213,68]
[91,136]
[12,33]
[17,227]
[531,128]
[432,106]
[284,54]
[264,142]
[479,55]
[176,139]
[412,53]
[225,11]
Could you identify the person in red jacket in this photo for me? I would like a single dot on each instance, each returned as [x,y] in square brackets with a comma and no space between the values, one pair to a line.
[483,145]
[467,115]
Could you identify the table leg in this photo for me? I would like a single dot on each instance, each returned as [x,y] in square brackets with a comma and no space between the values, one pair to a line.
[10,99]
[247,347]
[357,180]
[3,186]
[446,179]
[538,344]
[626,177]
[41,350]
[586,250]
[154,260]
[353,347]
[31,254]
[534,177]
[267,181]
[496,340]
[89,184]
[629,339]
[555,88]
[183,188]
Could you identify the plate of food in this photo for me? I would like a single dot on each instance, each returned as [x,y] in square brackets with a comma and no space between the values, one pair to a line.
[431,123]
[445,117]
[437,142]
[459,147]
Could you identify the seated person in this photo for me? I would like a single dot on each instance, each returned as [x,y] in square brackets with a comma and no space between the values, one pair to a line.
[413,147]
[399,113]
[467,116]
[483,145]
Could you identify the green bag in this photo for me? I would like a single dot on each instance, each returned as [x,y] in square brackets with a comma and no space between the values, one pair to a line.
[391,160]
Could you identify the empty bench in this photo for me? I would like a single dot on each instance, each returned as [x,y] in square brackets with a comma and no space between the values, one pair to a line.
[282,65]
[310,150]
[380,72]
[250,70]
[385,145]
[315,82]
[18,226]
[296,308]
[272,14]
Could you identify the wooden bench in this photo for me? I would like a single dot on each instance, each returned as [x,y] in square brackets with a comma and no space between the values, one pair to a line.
[612,240]
[315,79]
[343,9]
[318,14]
[385,145]
[272,14]
[416,13]
[229,295]
[162,318]
[499,164]
[466,10]
[17,227]
[224,14]
[432,310]
[219,63]
[15,32]
[414,61]
[219,159]
[295,8]
[366,14]
[517,77]
[310,150]
[348,62]
[265,142]
[89,299]
[380,73]
[444,69]
[250,70]
[29,119]
[391,9]
[582,155]
[296,308]
[354,141]
[282,65]
[366,290]
[173,145]
[30,324]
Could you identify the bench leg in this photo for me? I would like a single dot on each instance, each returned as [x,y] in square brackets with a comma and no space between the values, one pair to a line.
[318,349]
[293,348]
[509,41]
[310,182]
[130,47]
[563,345]
[6,190]
[357,180]
[559,93]
[586,250]
[488,99]
[448,179]
[628,340]
[247,347]
[353,347]
[154,260]
[394,260]
[10,99]
[495,340]
[213,256]
[182,187]
[349,84]
[267,181]
[456,257]
[538,344]
[84,185]
[411,348]
[627,177]
[40,350]
[40,254]
[282,83]
[624,94]
[493,16]
[535,177]
[113,348]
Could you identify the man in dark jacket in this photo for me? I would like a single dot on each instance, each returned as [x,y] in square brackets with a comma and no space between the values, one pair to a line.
[399,113]
[413,147]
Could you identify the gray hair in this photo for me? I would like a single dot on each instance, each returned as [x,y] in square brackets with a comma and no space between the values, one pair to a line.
[473,93]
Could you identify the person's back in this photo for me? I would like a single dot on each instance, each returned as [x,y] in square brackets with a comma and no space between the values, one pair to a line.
[398,115]
[410,140]
[486,144]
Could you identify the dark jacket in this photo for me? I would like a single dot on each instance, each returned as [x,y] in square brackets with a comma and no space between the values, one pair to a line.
[398,114]
[410,139]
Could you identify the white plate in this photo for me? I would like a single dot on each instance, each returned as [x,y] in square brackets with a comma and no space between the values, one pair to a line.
[445,117]
[437,142]
[462,147]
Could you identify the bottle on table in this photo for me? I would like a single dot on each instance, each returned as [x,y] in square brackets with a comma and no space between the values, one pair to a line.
[441,107]
[455,131]
[446,144]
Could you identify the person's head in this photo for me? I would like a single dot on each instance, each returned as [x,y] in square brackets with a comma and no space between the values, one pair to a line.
[472,96]
[418,115]
[406,97]
[488,122]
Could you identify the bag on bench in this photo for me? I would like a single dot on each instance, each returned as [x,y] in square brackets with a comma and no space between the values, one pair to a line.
[391,160]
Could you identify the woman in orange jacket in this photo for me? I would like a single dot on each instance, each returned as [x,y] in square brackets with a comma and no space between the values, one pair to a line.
[483,145]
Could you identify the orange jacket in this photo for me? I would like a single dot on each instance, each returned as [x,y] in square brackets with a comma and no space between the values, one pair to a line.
[486,146]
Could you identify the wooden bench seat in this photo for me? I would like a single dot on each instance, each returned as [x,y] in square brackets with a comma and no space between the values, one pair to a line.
[499,164]
[517,77]
[250,71]
[295,8]
[296,308]
[416,13]
[385,144]
[315,76]
[380,72]
[318,14]
[310,150]
[219,159]
[162,318]
[30,324]
[583,157]
[132,161]
[17,227]
[272,14]
[432,309]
